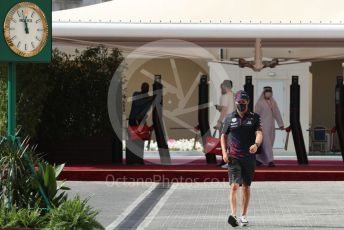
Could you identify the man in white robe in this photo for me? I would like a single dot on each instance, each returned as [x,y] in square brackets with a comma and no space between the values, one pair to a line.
[269,112]
[226,102]
[225,107]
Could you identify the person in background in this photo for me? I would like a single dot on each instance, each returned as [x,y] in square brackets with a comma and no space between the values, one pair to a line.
[140,106]
[226,102]
[245,136]
[223,91]
[141,103]
[225,107]
[269,112]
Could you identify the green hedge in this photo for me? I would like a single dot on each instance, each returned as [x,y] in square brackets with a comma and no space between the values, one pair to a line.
[3,100]
[66,98]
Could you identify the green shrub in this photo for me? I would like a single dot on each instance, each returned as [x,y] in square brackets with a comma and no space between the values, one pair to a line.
[74,214]
[22,218]
[76,105]
[15,174]
[3,98]
[64,98]
[46,176]
[3,215]
[26,218]
[16,178]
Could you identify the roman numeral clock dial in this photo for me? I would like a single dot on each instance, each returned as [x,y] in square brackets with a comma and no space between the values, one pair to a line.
[26,29]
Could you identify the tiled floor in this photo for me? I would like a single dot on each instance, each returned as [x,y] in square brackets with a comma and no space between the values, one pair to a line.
[274,205]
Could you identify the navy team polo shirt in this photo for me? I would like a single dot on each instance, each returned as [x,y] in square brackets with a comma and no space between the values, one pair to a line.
[242,133]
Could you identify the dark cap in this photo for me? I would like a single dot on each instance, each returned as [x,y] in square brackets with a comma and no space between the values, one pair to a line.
[267,89]
[241,95]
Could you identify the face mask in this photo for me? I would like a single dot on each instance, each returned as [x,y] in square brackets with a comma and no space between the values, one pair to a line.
[241,107]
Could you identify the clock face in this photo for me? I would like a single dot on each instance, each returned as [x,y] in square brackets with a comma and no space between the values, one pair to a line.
[26,29]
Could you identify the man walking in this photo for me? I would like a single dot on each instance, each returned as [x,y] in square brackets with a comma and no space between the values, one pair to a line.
[226,102]
[226,106]
[245,136]
[268,110]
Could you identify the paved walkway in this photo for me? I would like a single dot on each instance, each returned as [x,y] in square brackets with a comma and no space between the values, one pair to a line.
[274,205]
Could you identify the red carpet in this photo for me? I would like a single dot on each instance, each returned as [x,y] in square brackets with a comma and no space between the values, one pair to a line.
[184,170]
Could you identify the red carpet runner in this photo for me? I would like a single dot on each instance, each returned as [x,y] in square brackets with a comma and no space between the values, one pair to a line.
[184,170]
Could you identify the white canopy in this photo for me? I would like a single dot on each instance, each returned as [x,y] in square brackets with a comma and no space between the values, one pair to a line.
[215,20]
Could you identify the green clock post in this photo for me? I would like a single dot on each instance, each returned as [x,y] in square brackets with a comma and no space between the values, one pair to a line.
[26,38]
[11,102]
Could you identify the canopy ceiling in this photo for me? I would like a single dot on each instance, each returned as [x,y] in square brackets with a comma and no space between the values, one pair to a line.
[291,24]
[203,20]
[214,11]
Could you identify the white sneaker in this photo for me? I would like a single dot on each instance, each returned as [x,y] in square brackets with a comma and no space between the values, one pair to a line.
[244,221]
[225,166]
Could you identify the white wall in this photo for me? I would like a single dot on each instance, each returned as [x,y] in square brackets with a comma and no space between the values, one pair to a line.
[218,72]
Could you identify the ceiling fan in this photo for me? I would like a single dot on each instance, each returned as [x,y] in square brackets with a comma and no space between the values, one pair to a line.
[258,63]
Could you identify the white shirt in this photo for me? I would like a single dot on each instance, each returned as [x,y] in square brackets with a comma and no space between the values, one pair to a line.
[227,102]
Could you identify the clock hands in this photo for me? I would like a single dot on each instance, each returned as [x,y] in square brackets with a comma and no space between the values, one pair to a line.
[26,27]
[25,23]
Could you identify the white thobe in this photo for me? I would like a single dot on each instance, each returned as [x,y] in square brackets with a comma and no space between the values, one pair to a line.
[227,103]
[269,112]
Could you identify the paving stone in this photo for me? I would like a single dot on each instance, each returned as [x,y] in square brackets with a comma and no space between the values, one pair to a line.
[274,205]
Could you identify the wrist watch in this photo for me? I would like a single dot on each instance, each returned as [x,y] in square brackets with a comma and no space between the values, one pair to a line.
[257,144]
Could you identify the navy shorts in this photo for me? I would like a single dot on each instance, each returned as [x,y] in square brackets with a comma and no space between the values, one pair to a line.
[241,171]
